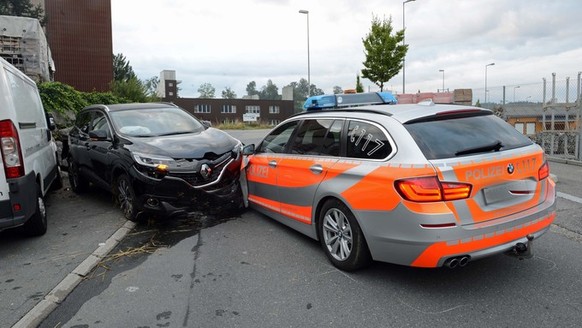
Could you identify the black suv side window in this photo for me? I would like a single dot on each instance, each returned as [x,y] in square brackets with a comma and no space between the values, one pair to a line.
[82,122]
[310,137]
[276,141]
[100,123]
[366,140]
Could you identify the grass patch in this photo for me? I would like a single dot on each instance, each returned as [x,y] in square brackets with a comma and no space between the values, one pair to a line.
[237,125]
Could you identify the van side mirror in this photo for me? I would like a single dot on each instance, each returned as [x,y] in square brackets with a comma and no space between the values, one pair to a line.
[50,120]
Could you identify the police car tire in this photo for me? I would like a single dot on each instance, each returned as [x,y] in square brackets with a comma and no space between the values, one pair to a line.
[37,223]
[360,254]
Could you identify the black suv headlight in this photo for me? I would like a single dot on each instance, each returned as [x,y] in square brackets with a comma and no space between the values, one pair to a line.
[155,166]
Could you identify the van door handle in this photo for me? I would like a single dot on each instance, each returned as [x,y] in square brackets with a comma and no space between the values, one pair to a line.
[316,169]
[273,164]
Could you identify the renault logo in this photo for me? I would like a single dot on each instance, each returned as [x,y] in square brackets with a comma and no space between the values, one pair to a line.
[510,168]
[205,171]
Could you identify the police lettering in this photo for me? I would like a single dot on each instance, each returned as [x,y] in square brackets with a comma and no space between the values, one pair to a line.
[259,171]
[484,173]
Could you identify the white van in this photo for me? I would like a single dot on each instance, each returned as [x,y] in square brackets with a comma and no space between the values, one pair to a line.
[29,164]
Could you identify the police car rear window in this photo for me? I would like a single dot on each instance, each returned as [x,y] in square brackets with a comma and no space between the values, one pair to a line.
[464,136]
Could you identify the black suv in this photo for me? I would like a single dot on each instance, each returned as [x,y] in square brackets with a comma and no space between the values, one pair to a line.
[155,158]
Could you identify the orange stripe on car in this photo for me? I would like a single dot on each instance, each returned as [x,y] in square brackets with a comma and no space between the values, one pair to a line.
[431,256]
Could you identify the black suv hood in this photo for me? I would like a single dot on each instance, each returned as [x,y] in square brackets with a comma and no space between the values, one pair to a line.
[188,146]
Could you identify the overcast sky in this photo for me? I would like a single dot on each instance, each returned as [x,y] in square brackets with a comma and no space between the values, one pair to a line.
[229,43]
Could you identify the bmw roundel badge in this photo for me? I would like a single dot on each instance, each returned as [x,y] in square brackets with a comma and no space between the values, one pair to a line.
[510,168]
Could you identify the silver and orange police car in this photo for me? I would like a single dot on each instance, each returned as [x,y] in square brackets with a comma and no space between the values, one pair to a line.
[421,185]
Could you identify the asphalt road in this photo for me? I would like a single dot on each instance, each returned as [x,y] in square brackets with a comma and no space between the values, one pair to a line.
[219,269]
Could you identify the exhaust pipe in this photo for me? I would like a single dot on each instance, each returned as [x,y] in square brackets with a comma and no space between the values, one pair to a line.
[463,261]
[452,263]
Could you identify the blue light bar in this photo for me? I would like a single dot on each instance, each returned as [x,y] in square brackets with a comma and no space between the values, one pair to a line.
[349,100]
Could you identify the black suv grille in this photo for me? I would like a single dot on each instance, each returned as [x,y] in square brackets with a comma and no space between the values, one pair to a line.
[195,179]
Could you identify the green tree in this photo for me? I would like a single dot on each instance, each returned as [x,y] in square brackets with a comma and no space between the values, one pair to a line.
[23,8]
[206,90]
[151,88]
[384,52]
[270,91]
[132,90]
[122,70]
[228,93]
[337,90]
[359,86]
[252,89]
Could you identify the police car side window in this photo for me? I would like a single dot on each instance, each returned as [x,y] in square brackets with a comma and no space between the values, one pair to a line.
[367,141]
[310,137]
[276,141]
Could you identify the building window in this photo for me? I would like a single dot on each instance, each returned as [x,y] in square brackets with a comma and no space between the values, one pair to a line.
[228,109]
[170,84]
[519,127]
[170,93]
[253,109]
[202,108]
[530,128]
[273,109]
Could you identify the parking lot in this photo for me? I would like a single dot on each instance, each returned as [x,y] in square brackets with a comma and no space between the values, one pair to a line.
[216,269]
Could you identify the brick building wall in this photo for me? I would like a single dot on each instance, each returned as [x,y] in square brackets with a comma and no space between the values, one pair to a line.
[80,37]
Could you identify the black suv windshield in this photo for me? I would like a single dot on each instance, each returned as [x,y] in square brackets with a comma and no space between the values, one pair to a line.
[463,136]
[154,122]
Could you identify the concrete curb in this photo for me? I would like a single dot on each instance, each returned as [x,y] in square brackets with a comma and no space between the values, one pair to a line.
[50,302]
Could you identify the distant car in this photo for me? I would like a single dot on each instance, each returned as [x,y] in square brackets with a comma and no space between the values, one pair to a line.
[421,185]
[155,158]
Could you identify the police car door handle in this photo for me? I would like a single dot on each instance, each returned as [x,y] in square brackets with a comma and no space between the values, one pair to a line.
[316,169]
[273,164]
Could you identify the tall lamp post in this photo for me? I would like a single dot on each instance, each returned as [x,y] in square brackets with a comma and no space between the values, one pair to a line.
[486,80]
[514,92]
[306,12]
[404,43]
[443,71]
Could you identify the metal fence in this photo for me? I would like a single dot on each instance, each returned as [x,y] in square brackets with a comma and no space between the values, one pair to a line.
[556,105]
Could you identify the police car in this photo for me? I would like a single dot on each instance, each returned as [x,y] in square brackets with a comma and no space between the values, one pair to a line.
[421,185]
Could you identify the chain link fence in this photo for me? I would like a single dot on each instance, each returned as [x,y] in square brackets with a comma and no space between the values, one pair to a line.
[549,112]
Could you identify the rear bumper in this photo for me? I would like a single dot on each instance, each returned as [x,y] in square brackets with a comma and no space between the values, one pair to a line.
[23,193]
[397,237]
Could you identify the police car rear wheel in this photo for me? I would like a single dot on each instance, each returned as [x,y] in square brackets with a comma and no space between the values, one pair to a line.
[341,237]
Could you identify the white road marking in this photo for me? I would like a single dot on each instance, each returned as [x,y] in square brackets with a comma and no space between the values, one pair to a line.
[570,197]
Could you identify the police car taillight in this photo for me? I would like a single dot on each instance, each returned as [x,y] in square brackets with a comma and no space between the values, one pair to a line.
[11,155]
[430,189]
[544,171]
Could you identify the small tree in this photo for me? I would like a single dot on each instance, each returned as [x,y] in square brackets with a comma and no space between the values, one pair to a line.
[337,90]
[270,91]
[252,89]
[206,90]
[122,70]
[359,86]
[228,93]
[384,52]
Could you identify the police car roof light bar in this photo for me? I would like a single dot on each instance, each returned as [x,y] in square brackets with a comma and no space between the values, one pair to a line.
[349,100]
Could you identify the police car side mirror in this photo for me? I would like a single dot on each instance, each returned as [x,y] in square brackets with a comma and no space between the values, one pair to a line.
[249,149]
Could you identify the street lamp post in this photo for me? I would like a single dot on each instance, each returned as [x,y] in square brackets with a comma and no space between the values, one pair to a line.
[404,43]
[514,92]
[491,64]
[306,12]
[443,71]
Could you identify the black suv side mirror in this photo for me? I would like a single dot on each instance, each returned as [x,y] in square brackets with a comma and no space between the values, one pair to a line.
[98,135]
